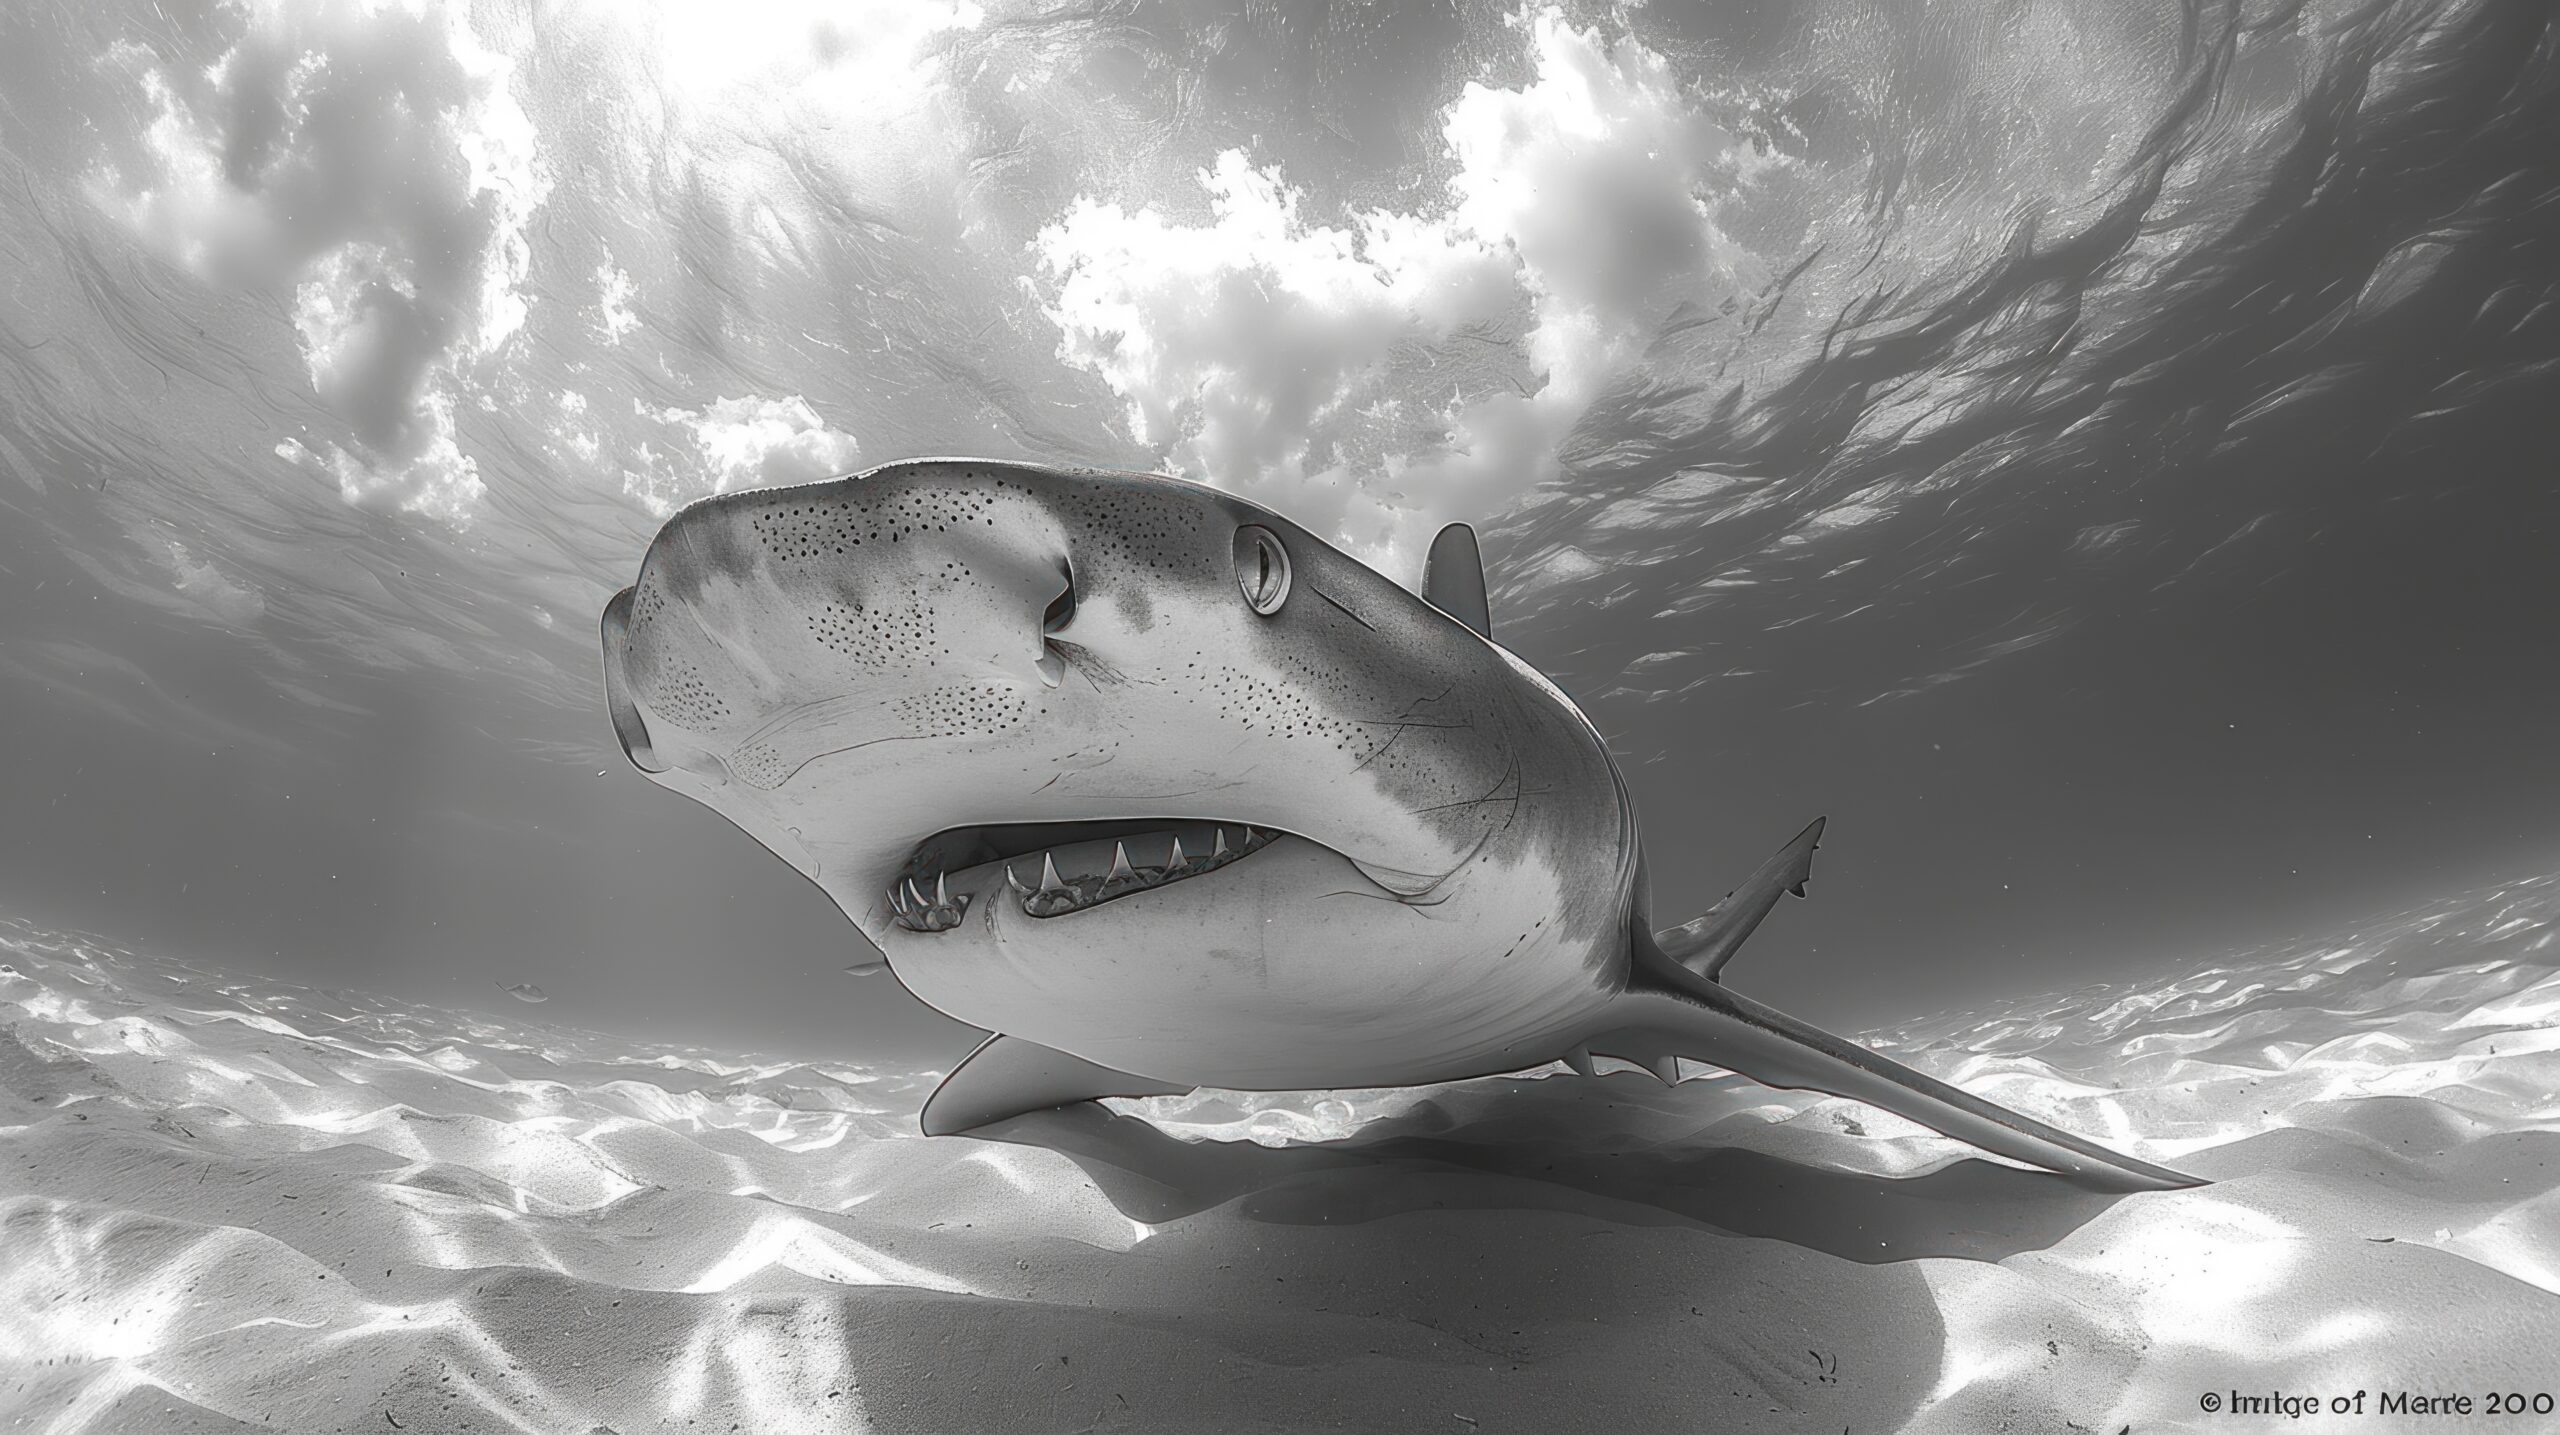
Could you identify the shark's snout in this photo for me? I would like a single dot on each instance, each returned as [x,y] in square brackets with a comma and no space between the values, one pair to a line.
[628,726]
[861,624]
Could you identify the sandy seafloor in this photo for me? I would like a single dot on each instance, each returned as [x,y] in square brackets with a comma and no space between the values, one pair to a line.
[228,1203]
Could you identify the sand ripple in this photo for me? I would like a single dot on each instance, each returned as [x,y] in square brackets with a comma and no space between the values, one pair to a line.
[229,1203]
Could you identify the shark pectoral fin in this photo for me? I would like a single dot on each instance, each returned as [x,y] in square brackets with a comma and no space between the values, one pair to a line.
[1007,1076]
[1704,944]
[1670,1011]
[1453,579]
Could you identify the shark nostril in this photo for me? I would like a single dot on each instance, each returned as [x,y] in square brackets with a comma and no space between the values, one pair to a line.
[634,735]
[1062,609]
[1053,620]
[628,726]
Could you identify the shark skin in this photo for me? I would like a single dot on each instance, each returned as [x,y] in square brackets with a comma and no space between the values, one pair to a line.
[1167,792]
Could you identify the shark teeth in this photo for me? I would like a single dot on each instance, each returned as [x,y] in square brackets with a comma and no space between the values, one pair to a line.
[911,909]
[1055,895]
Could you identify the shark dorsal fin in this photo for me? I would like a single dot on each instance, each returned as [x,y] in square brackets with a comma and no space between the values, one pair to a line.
[1453,579]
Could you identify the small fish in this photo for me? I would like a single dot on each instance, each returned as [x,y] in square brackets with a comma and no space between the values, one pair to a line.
[525,992]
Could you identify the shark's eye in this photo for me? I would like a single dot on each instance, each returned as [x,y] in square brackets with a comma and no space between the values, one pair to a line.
[1262,568]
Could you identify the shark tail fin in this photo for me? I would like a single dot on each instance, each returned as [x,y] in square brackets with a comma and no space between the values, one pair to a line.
[1705,943]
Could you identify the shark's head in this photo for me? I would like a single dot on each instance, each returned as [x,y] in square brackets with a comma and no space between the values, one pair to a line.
[1089,753]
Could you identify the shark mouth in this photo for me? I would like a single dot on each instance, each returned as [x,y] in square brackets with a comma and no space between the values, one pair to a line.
[1051,869]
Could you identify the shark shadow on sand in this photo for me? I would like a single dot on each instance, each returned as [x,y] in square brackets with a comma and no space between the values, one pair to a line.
[1505,1148]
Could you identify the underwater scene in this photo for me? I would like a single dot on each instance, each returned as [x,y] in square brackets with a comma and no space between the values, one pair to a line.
[1759,715]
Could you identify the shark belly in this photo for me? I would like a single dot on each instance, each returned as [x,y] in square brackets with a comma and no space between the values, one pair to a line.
[1292,972]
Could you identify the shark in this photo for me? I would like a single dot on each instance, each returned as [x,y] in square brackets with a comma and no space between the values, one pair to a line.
[1167,792]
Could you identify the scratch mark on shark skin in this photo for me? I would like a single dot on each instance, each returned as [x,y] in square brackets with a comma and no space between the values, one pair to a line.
[1343,607]
[1440,696]
[1510,777]
[1381,749]
[1416,905]
[854,747]
[1462,725]
[1095,672]
[1168,796]
[1068,768]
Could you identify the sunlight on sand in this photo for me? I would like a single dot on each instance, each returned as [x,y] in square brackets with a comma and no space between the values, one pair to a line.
[232,1203]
